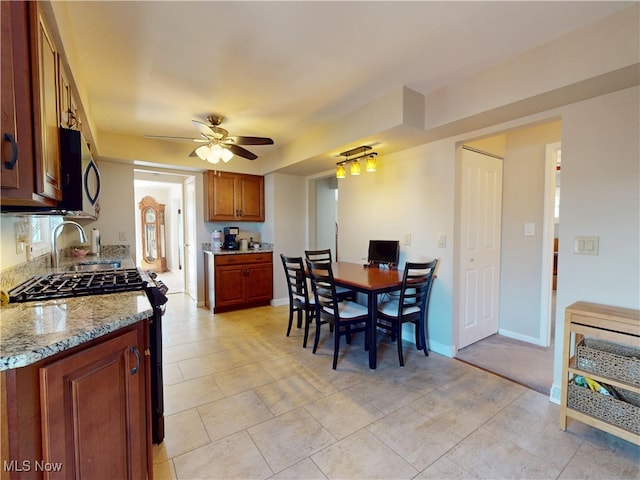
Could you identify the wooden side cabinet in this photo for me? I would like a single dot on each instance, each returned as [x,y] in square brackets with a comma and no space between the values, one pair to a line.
[243,280]
[233,197]
[81,413]
[620,328]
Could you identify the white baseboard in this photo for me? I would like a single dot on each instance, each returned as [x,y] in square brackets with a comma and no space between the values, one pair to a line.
[518,336]
[556,391]
[279,302]
[441,348]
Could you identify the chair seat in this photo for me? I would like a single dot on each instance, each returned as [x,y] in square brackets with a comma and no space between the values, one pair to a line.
[312,300]
[390,309]
[349,309]
[341,290]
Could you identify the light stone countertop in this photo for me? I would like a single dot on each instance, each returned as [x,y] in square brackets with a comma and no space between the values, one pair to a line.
[31,331]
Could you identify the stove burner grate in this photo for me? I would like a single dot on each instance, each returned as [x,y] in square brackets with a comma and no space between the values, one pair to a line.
[76,284]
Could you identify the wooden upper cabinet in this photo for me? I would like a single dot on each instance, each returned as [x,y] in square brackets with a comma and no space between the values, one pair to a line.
[233,197]
[46,118]
[17,167]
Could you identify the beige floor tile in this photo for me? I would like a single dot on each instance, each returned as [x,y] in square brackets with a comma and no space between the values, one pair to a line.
[487,455]
[416,438]
[171,374]
[287,394]
[386,393]
[443,409]
[242,378]
[434,418]
[184,432]
[234,457]
[538,434]
[287,439]
[191,393]
[362,456]
[164,471]
[232,414]
[305,469]
[444,469]
[178,352]
[205,365]
[342,413]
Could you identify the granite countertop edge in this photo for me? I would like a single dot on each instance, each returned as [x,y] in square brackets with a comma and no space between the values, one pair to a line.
[236,252]
[32,331]
[30,355]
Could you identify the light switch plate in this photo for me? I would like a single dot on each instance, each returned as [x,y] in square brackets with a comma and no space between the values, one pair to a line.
[529,229]
[442,240]
[583,245]
[407,238]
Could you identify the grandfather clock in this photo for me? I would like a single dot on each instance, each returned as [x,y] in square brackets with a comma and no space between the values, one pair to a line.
[153,235]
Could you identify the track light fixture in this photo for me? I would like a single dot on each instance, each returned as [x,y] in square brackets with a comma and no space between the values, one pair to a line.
[354,161]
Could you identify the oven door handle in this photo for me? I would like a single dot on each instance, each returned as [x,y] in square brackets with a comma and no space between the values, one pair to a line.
[135,351]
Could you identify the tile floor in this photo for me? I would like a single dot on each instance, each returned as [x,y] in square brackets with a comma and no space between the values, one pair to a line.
[243,401]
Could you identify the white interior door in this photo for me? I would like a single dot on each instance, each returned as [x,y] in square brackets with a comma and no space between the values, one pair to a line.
[479,253]
[191,287]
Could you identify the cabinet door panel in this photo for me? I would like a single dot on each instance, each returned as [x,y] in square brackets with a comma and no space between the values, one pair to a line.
[221,196]
[8,121]
[93,412]
[230,285]
[251,198]
[46,117]
[260,282]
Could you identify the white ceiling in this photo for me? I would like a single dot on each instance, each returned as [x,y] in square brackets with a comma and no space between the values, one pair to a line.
[278,69]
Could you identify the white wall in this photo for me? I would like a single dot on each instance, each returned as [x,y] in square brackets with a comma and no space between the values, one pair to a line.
[285,198]
[411,192]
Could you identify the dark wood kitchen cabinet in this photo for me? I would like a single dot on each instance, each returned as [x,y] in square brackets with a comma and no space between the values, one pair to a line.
[81,412]
[243,280]
[21,173]
[233,197]
[46,117]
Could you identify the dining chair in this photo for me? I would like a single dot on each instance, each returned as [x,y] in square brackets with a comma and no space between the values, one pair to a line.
[299,299]
[344,293]
[411,306]
[346,317]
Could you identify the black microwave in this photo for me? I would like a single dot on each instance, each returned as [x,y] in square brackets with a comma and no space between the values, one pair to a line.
[80,177]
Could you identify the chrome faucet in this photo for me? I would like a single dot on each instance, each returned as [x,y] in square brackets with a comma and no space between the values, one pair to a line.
[55,256]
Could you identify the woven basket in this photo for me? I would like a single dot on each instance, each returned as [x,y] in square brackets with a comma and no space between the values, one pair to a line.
[616,412]
[609,359]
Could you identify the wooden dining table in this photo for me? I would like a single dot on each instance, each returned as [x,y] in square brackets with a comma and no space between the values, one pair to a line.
[370,281]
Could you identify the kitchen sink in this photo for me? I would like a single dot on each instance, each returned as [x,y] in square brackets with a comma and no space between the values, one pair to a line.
[93,266]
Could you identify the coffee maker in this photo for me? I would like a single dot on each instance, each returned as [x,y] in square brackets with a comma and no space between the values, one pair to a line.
[230,242]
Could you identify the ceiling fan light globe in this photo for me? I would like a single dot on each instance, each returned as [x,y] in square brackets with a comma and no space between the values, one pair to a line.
[226,155]
[203,152]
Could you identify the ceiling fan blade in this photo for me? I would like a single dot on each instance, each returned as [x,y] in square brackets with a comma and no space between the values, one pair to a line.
[203,128]
[239,140]
[241,152]
[177,139]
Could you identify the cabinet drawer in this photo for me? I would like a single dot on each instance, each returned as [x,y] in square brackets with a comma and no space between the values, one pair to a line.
[242,259]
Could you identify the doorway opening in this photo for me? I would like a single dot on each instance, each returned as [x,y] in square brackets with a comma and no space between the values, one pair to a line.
[522,349]
[168,190]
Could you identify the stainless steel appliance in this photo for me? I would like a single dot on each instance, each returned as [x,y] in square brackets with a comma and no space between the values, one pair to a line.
[75,284]
[230,242]
[81,177]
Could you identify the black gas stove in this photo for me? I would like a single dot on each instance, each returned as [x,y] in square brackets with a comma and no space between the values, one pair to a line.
[77,284]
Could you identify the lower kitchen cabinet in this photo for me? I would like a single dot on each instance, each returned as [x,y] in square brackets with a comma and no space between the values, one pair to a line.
[81,414]
[243,280]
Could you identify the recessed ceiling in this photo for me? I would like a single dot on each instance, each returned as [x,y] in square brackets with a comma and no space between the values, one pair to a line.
[279,69]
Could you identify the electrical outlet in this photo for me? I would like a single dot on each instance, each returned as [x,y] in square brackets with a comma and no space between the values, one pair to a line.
[122,236]
[407,238]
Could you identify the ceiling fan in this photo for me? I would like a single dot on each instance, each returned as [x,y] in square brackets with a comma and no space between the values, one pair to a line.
[216,142]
